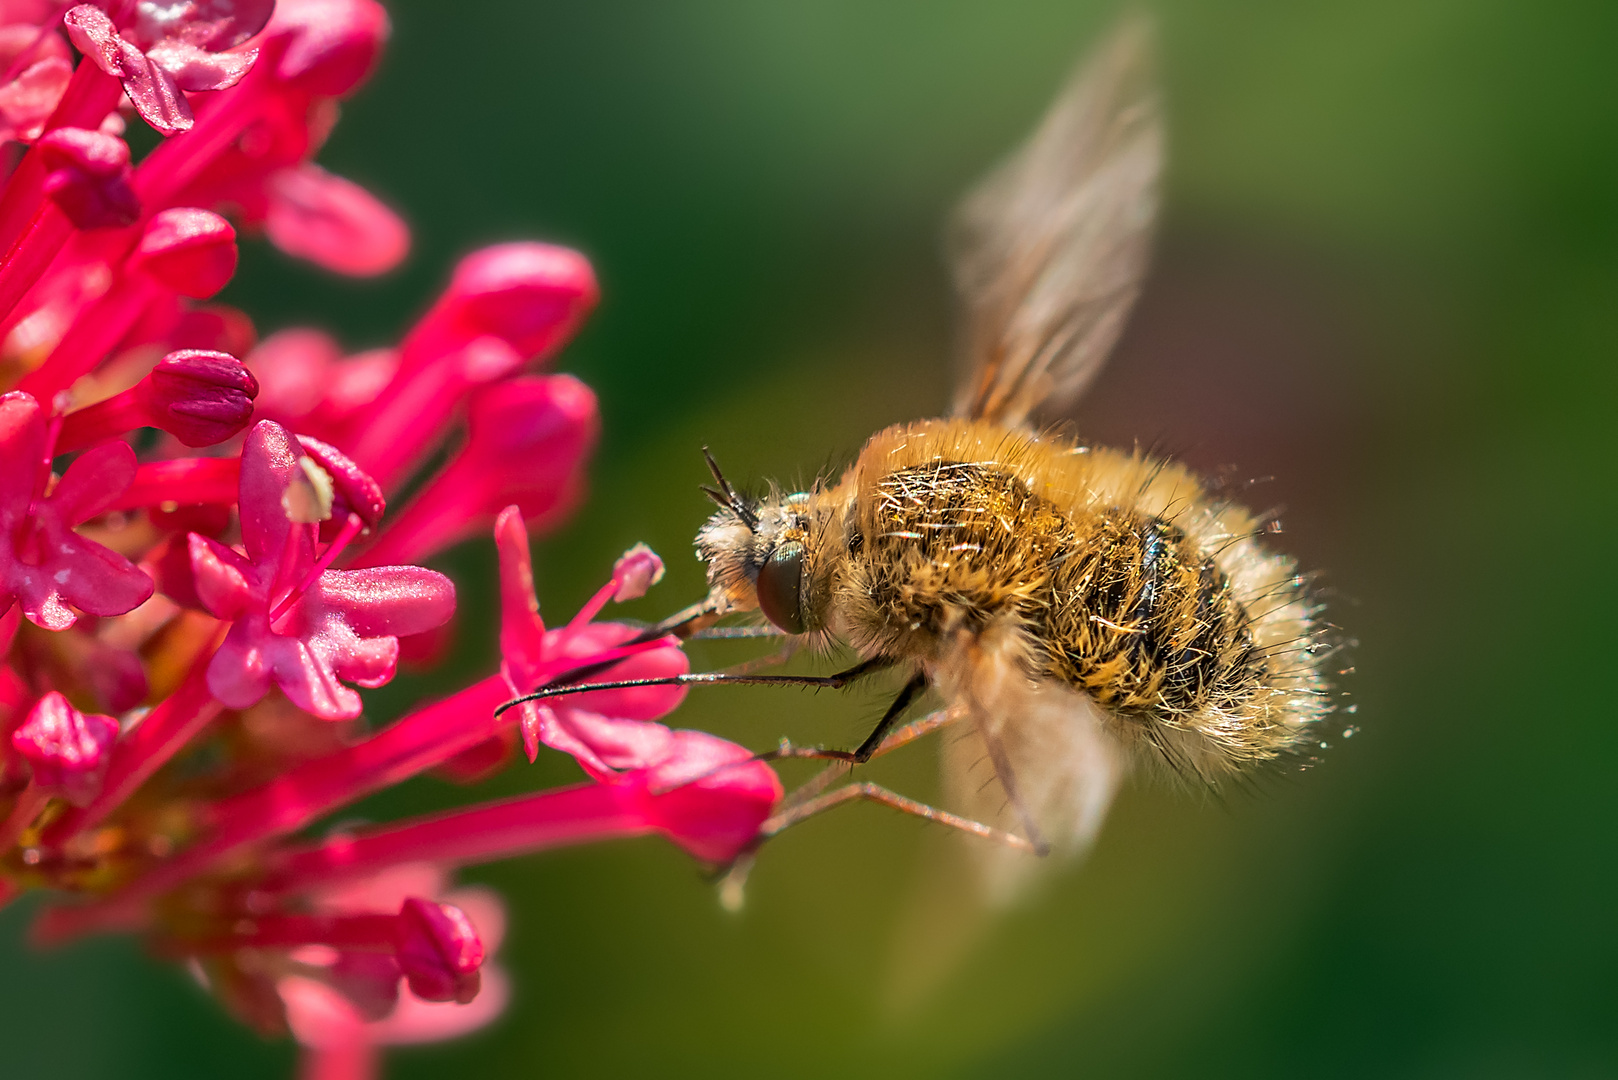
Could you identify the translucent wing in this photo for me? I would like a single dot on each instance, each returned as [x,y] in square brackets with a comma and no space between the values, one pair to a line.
[1030,756]
[1049,251]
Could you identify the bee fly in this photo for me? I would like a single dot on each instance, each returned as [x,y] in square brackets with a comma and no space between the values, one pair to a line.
[1074,607]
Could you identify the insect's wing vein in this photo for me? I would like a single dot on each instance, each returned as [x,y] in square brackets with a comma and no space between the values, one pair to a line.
[1049,251]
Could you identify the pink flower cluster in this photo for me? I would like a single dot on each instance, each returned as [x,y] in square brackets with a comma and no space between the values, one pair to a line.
[199,571]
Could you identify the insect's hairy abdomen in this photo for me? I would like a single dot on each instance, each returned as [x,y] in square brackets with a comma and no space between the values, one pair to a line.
[1121,576]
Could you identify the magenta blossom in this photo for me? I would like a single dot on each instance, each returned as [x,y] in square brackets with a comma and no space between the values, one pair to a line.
[44,564]
[169,48]
[201,576]
[294,624]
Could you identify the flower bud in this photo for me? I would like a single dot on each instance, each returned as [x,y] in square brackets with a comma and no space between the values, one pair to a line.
[531,296]
[331,45]
[439,950]
[188,250]
[87,176]
[69,750]
[200,397]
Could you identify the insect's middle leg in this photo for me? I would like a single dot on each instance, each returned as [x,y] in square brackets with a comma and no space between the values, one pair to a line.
[867,749]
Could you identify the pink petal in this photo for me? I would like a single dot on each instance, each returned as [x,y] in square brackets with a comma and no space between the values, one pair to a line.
[307,677]
[417,1021]
[332,44]
[94,482]
[220,577]
[370,982]
[155,95]
[604,746]
[269,462]
[332,222]
[368,662]
[28,100]
[711,810]
[196,69]
[330,1027]
[188,250]
[566,650]
[207,24]
[94,35]
[522,631]
[94,579]
[239,673]
[388,600]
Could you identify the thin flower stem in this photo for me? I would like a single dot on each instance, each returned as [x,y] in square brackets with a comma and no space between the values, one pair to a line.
[368,932]
[93,335]
[581,814]
[183,482]
[40,241]
[590,610]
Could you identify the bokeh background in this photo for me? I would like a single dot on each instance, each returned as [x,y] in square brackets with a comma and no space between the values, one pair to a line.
[1387,278]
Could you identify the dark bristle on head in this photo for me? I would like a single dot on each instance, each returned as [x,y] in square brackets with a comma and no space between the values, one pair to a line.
[726,495]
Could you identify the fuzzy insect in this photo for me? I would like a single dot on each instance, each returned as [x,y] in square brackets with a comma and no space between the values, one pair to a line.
[1076,608]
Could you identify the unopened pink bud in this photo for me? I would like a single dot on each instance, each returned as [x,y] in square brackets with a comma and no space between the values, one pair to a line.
[531,296]
[333,44]
[69,750]
[355,491]
[92,152]
[87,176]
[200,397]
[439,950]
[188,250]
[636,571]
[332,222]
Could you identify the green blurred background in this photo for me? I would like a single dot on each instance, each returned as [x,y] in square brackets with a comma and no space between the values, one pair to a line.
[1387,278]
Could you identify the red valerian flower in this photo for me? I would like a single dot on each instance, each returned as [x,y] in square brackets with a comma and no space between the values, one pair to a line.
[170,48]
[301,628]
[44,564]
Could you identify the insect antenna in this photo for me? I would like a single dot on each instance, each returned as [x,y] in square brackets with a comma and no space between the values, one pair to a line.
[726,495]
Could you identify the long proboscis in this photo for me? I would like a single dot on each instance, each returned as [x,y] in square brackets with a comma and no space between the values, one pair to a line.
[698,678]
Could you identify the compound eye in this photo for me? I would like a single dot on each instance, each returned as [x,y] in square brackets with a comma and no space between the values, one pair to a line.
[780,588]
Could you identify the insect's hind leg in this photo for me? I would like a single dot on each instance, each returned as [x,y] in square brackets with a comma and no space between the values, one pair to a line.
[868,792]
